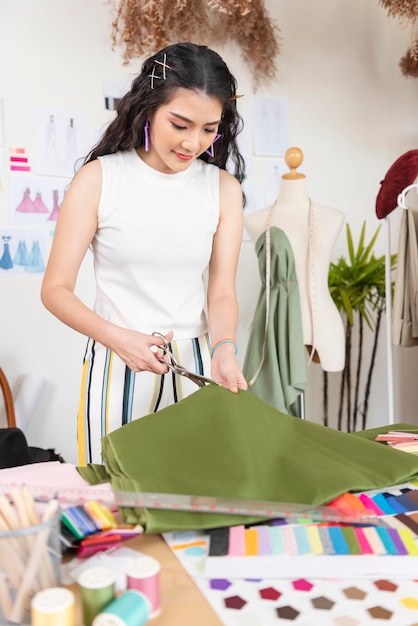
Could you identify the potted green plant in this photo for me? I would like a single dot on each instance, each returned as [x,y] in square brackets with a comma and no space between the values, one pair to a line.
[357,287]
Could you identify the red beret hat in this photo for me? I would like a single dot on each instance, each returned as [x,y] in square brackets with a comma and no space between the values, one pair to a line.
[401,174]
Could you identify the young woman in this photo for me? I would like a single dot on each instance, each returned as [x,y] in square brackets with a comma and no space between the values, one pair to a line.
[158,208]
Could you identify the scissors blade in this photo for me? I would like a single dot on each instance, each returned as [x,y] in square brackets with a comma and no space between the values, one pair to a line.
[175,366]
[198,379]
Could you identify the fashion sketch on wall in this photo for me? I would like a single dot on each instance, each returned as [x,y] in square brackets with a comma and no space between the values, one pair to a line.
[23,250]
[36,199]
[60,141]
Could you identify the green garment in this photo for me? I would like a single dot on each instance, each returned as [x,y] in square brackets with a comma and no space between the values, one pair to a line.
[283,374]
[217,443]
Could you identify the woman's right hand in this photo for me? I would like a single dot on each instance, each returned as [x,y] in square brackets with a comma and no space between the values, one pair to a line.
[138,350]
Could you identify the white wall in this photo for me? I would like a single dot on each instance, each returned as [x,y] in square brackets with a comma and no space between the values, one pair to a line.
[351,112]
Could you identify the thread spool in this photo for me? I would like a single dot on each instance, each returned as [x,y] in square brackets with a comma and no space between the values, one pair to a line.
[143,574]
[132,608]
[98,585]
[53,607]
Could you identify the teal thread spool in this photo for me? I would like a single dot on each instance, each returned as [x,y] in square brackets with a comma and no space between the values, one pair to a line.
[97,585]
[132,608]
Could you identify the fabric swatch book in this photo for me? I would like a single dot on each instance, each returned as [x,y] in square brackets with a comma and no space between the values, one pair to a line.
[279,549]
[405,441]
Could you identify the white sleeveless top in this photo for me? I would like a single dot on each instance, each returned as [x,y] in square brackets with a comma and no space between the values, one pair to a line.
[153,244]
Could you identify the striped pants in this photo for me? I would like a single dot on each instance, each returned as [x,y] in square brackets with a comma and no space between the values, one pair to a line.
[113,395]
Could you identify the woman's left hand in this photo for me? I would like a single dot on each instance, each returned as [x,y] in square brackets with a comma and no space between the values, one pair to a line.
[227,373]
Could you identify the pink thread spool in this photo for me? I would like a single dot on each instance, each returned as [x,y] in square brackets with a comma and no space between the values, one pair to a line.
[143,574]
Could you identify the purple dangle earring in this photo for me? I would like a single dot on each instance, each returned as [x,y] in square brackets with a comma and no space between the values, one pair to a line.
[146,135]
[210,150]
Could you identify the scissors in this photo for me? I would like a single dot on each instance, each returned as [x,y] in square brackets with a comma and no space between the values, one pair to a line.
[175,366]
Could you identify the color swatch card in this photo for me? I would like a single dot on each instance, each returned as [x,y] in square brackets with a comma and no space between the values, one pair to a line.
[402,499]
[316,550]
[279,549]
[305,601]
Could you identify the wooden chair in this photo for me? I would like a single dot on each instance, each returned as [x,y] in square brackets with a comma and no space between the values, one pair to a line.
[8,400]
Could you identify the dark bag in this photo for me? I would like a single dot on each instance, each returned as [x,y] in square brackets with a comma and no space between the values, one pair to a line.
[14,450]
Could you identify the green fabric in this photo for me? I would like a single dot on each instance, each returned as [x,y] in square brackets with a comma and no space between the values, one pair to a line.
[282,377]
[217,443]
[94,474]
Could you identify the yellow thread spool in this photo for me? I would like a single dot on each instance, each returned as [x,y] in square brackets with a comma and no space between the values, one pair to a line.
[53,607]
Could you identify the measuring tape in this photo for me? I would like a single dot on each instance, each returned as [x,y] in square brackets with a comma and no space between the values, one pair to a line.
[200,504]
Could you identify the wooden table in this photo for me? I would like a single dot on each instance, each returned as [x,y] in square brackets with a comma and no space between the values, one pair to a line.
[181,601]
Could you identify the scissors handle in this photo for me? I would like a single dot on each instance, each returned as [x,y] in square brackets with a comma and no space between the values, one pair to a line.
[178,369]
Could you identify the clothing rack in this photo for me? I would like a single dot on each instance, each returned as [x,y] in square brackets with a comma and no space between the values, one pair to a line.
[388,290]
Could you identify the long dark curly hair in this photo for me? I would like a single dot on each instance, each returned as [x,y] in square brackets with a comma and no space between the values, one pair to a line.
[182,65]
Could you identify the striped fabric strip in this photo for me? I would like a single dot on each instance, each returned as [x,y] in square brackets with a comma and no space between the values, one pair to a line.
[176,381]
[197,357]
[157,394]
[128,394]
[107,378]
[83,418]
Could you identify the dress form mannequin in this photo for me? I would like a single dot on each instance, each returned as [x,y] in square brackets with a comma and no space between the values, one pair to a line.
[312,231]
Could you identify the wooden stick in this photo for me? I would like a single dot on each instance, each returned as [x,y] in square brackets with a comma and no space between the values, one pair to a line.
[13,546]
[38,554]
[9,564]
[30,505]
[48,576]
[12,523]
[28,517]
[9,515]
[5,599]
[23,514]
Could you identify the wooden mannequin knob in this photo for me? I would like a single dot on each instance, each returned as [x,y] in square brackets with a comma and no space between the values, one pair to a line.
[293,158]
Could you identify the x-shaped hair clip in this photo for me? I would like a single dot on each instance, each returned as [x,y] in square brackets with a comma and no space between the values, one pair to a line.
[175,366]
